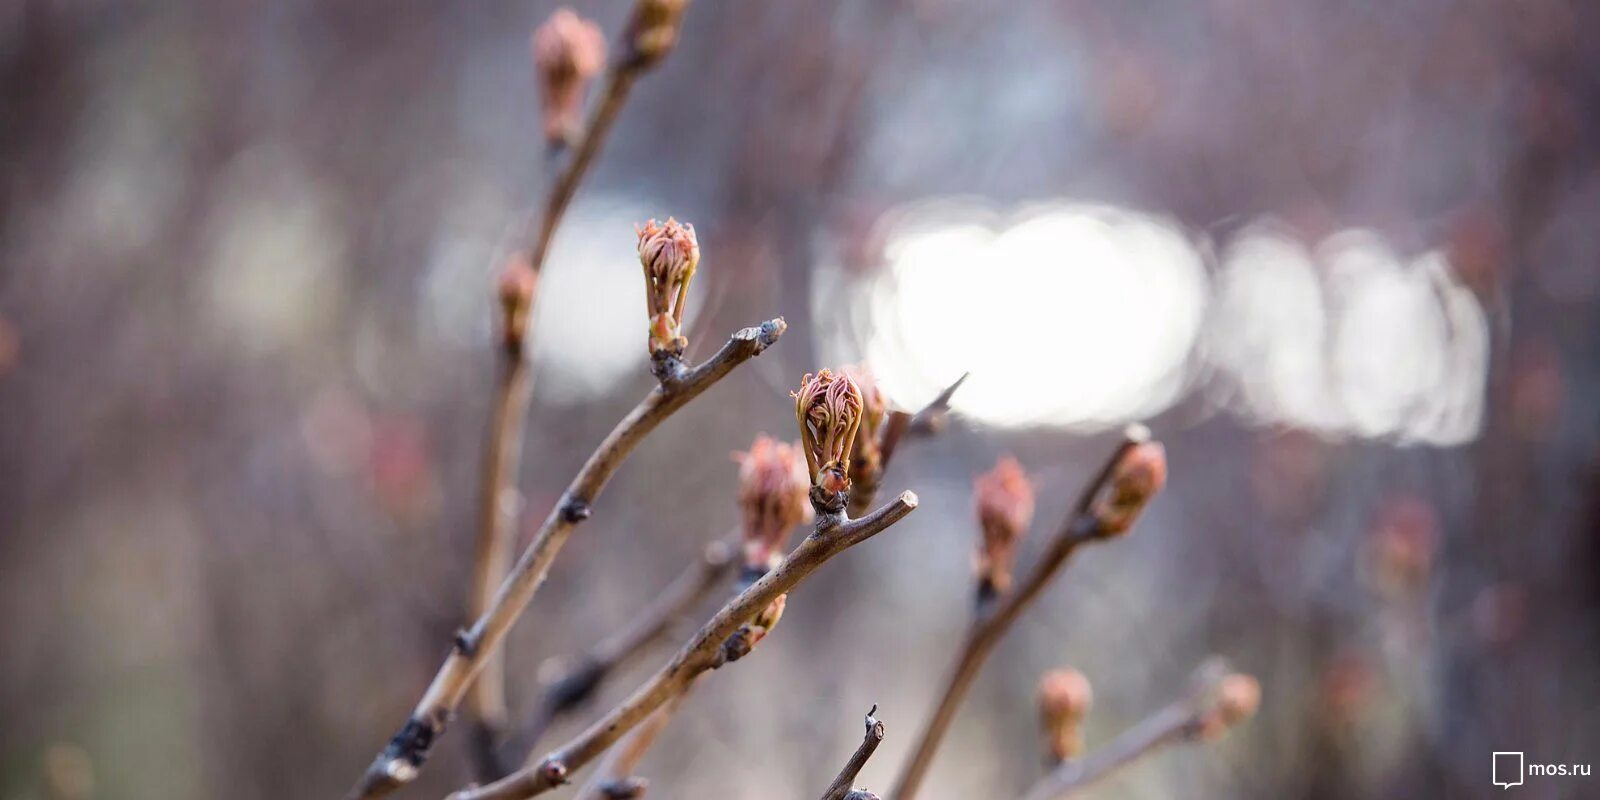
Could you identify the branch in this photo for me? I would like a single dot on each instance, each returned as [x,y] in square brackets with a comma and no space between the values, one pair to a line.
[579,682]
[705,650]
[928,421]
[400,761]
[996,617]
[841,786]
[615,778]
[492,555]
[1215,705]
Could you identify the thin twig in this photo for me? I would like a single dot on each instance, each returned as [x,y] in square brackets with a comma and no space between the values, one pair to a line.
[400,761]
[705,650]
[492,557]
[1201,715]
[995,618]
[842,785]
[613,94]
[896,426]
[582,678]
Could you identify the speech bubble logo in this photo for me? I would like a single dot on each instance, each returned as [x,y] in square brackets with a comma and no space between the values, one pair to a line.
[1507,770]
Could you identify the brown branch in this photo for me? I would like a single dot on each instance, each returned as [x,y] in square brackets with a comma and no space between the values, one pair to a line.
[707,649]
[842,785]
[580,680]
[993,619]
[1207,713]
[492,555]
[897,426]
[615,778]
[400,761]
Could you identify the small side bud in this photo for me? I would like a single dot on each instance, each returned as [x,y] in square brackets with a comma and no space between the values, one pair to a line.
[1004,498]
[1236,699]
[653,30]
[751,633]
[772,497]
[866,458]
[568,51]
[669,253]
[516,287]
[828,409]
[1137,476]
[1064,700]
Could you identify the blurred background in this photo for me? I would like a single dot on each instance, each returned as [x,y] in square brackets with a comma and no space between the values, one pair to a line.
[1343,257]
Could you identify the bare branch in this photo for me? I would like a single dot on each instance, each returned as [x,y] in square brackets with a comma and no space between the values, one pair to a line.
[615,777]
[399,762]
[705,650]
[842,785]
[996,617]
[1215,704]
[580,680]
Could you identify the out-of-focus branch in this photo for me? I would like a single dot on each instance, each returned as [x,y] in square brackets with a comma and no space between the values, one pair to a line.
[1214,706]
[497,501]
[707,649]
[1107,508]
[400,761]
[896,426]
[651,33]
[842,786]
[578,682]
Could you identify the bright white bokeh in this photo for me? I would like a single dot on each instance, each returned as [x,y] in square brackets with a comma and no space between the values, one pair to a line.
[1089,316]
[1067,314]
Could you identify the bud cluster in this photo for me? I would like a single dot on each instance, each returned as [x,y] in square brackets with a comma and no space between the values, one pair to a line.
[669,253]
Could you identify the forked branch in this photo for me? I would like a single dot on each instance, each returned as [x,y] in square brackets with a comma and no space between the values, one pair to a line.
[705,650]
[582,677]
[1104,510]
[400,761]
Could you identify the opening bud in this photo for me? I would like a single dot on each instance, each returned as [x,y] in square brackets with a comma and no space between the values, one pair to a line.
[772,496]
[828,408]
[669,253]
[568,51]
[866,459]
[1004,498]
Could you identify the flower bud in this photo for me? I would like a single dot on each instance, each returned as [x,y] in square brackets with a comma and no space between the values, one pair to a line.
[772,495]
[1139,473]
[516,288]
[1005,508]
[1064,700]
[568,51]
[669,254]
[828,408]
[866,459]
[653,30]
[1236,699]
[751,633]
